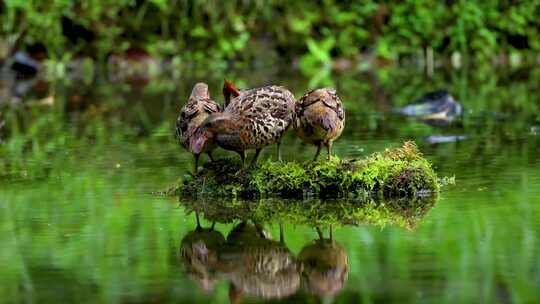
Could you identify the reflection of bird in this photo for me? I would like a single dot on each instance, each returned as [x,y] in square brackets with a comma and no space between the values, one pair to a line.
[320,118]
[257,265]
[197,109]
[438,108]
[252,120]
[199,253]
[325,266]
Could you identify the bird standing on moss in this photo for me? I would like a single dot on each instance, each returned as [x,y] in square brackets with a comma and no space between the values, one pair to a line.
[320,118]
[252,120]
[197,109]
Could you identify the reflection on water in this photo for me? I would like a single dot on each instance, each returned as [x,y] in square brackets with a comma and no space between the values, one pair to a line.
[405,212]
[325,265]
[256,265]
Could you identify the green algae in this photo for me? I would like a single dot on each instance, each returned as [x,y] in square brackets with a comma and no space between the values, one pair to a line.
[394,173]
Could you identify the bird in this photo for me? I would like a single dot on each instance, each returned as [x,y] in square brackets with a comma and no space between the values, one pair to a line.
[192,114]
[320,118]
[254,119]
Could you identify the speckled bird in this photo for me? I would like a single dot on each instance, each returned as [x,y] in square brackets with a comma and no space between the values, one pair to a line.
[197,109]
[252,120]
[320,118]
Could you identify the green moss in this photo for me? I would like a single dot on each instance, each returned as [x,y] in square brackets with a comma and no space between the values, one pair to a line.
[398,172]
[404,212]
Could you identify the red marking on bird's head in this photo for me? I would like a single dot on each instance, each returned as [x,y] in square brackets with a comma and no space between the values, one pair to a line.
[230,88]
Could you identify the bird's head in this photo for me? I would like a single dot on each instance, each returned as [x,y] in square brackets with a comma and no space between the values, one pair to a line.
[200,90]
[201,140]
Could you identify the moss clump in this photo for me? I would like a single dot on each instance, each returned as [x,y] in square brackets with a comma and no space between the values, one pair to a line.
[398,172]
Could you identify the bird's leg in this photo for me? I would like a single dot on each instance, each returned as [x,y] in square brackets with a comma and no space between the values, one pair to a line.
[329,149]
[196,163]
[210,155]
[198,221]
[279,151]
[213,225]
[254,160]
[319,146]
[242,157]
[260,229]
[319,232]
[281,234]
[331,232]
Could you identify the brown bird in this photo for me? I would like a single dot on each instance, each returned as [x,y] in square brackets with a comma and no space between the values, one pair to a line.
[320,118]
[197,109]
[252,120]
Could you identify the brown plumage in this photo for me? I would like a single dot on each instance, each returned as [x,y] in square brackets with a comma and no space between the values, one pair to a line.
[197,109]
[320,118]
[252,120]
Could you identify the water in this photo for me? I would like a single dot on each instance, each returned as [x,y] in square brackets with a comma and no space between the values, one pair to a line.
[80,220]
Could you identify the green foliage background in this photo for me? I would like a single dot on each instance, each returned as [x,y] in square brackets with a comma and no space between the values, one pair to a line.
[318,31]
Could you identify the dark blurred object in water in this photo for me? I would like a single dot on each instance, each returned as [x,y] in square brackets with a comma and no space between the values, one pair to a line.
[76,33]
[440,139]
[437,108]
[325,266]
[25,65]
[14,88]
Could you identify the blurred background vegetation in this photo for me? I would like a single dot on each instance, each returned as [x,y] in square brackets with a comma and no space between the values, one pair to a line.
[310,34]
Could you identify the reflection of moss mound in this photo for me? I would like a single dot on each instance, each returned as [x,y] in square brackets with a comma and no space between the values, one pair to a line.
[394,173]
[404,212]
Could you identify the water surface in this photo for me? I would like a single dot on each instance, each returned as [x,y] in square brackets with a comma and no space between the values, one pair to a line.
[80,220]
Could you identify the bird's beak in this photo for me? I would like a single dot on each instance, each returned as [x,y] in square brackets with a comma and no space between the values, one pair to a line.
[196,144]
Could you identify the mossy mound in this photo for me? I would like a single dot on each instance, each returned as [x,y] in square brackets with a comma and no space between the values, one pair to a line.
[398,172]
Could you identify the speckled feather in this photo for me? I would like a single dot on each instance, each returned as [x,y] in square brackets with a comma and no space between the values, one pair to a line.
[320,116]
[260,117]
[197,109]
